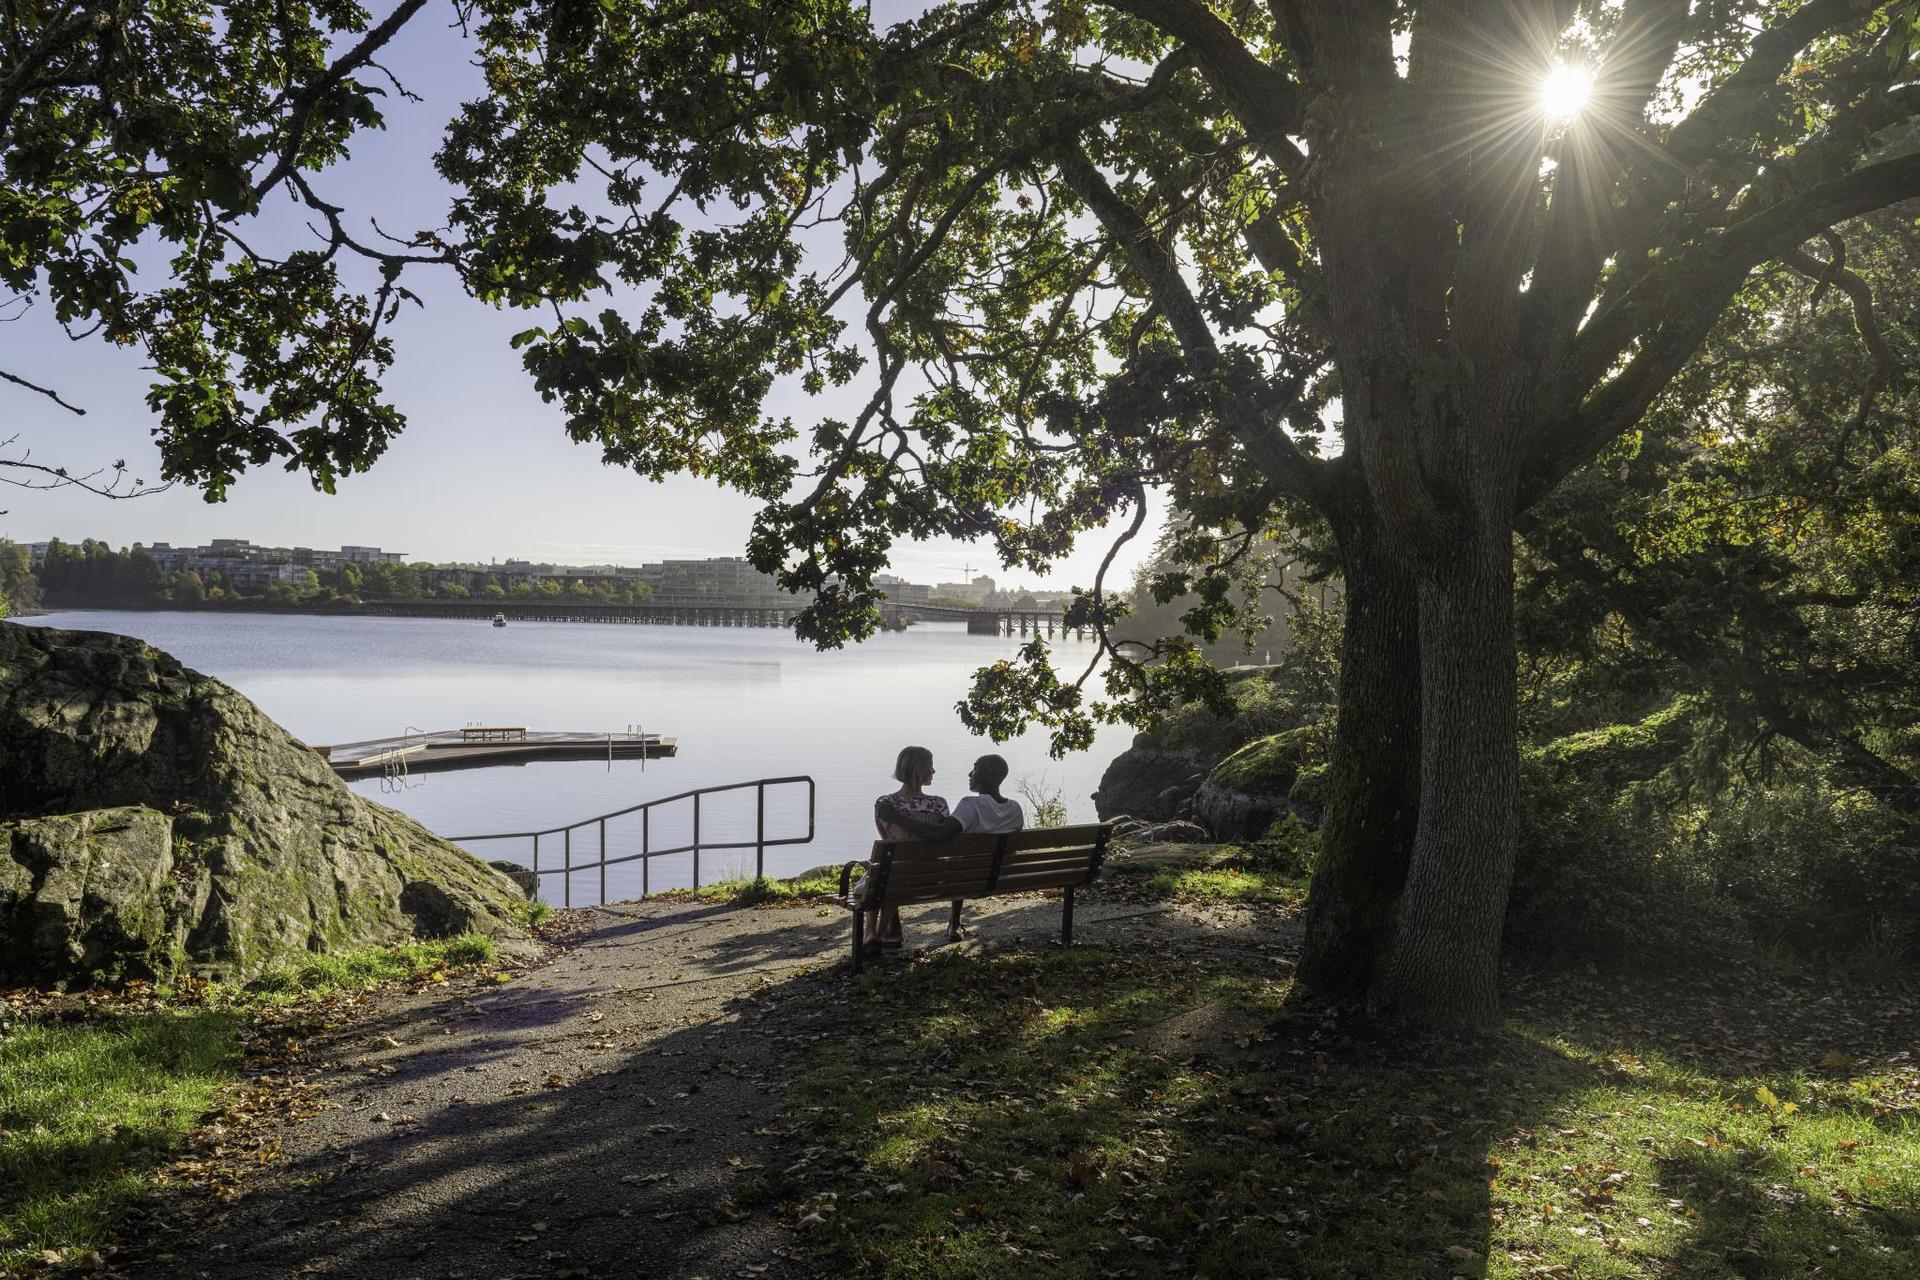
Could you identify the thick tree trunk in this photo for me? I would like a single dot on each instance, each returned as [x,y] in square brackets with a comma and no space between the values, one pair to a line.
[1442,967]
[1373,793]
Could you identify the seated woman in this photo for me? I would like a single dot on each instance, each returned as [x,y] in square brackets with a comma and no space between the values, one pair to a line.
[913,770]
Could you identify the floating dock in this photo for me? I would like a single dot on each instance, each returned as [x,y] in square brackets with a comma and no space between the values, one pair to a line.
[484,745]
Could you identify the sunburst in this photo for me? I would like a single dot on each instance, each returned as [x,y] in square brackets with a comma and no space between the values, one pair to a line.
[1565,91]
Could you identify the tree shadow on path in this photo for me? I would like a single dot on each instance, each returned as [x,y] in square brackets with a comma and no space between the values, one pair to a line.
[673,1099]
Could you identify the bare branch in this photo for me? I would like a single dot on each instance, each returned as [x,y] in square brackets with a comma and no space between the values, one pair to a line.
[48,392]
[39,476]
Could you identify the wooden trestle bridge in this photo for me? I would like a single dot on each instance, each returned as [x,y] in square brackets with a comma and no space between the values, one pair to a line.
[713,613]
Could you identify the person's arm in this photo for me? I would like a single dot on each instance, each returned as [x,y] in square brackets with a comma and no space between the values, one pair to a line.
[916,825]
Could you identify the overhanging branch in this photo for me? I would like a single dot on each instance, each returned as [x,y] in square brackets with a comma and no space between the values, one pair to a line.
[1265,100]
[1271,449]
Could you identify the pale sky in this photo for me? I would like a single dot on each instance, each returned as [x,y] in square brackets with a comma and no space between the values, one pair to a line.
[483,470]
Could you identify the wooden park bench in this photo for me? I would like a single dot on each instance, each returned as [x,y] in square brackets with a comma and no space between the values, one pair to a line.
[901,873]
[494,733]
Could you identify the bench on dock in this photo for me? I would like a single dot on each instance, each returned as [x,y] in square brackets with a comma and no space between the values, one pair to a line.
[494,733]
[901,873]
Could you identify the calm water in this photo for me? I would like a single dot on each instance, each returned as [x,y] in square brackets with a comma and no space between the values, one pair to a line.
[745,703]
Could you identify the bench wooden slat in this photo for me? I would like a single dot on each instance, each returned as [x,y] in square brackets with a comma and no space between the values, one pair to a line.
[1053,838]
[974,884]
[933,866]
[915,897]
[958,847]
[975,880]
[1047,857]
[1042,880]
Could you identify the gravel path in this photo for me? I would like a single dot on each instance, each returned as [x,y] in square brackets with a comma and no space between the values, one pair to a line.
[593,1117]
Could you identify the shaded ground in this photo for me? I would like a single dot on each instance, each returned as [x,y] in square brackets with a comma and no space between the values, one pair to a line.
[1122,1112]
[614,1112]
[699,1090]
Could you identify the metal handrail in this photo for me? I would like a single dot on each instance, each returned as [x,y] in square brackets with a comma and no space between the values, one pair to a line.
[760,843]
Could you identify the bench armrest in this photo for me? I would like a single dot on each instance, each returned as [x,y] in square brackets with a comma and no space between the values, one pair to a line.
[846,877]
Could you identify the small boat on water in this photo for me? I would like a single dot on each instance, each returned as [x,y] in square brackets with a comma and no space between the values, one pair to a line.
[499,619]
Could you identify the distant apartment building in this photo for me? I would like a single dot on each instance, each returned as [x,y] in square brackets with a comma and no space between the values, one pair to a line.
[723,577]
[979,591]
[899,591]
[243,561]
[371,555]
[253,575]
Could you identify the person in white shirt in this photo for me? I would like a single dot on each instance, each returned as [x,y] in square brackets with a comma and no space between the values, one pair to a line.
[985,812]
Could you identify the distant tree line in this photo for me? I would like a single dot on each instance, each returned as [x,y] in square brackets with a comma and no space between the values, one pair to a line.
[91,574]
[19,589]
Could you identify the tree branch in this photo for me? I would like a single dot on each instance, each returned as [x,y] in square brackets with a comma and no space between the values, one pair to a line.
[19,81]
[1265,100]
[48,392]
[309,97]
[1865,322]
[1691,280]
[1711,129]
[1595,158]
[1271,449]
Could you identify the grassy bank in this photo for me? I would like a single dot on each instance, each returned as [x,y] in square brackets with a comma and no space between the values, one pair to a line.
[98,1092]
[1206,873]
[1094,1113]
[747,892]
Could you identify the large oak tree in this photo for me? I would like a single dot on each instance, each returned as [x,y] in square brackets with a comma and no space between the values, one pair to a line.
[1081,250]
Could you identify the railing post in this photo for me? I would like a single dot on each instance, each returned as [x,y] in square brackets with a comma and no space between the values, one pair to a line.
[760,832]
[566,875]
[646,856]
[696,841]
[536,855]
[603,862]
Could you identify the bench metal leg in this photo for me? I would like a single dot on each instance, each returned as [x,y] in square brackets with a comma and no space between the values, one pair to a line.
[1066,920]
[953,921]
[859,939]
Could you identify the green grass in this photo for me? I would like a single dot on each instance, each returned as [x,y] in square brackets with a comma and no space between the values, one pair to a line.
[335,972]
[537,913]
[97,1094]
[1087,1113]
[87,1110]
[748,892]
[1231,884]
[1216,873]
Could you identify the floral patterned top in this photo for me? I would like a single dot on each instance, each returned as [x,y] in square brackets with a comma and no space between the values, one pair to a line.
[929,808]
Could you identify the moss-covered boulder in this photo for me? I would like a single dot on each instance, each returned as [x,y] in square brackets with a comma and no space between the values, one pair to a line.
[154,821]
[1157,778]
[1251,789]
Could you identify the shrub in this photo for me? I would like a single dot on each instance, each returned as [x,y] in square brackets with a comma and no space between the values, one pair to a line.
[1616,863]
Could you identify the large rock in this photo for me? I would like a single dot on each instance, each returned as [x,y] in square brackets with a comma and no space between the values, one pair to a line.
[1261,783]
[1149,781]
[153,821]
